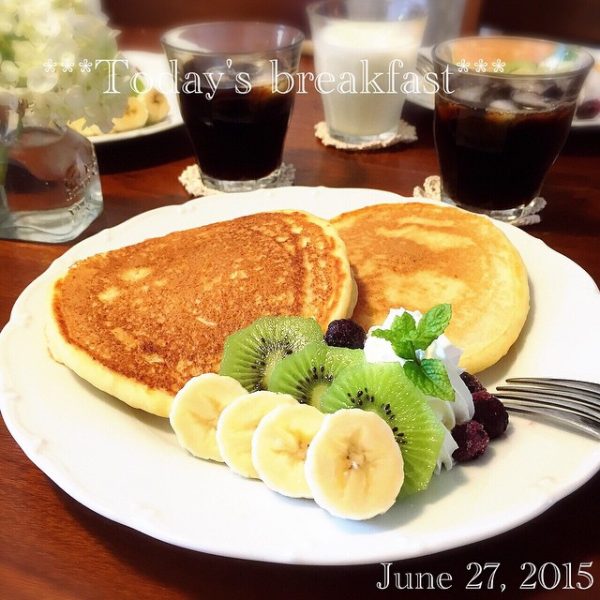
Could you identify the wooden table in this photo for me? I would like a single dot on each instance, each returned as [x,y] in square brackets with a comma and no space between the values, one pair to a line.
[53,547]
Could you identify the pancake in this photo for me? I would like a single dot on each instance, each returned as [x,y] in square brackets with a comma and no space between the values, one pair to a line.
[138,322]
[417,255]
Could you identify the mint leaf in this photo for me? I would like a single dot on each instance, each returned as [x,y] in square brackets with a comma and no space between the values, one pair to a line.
[404,326]
[402,347]
[432,324]
[385,334]
[431,378]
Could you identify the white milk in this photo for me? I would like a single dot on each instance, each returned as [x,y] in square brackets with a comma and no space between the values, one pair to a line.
[339,49]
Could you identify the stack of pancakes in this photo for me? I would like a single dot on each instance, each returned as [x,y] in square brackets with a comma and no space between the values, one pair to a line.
[139,321]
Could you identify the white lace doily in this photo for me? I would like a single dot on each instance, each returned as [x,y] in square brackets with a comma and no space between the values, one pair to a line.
[406,133]
[432,189]
[191,180]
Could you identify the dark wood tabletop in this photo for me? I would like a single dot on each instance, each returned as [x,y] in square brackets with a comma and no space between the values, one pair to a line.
[53,547]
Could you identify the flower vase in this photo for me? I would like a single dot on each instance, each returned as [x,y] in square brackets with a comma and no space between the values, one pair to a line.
[49,183]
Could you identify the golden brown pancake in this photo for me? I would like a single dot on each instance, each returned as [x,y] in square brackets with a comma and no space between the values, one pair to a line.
[417,255]
[138,322]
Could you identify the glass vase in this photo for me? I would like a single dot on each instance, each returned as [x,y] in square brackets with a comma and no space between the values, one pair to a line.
[49,183]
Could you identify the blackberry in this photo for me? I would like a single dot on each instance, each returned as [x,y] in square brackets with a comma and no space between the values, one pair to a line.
[472,441]
[472,382]
[345,333]
[491,413]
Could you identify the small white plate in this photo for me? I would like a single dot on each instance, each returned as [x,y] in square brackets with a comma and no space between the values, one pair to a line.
[156,68]
[127,466]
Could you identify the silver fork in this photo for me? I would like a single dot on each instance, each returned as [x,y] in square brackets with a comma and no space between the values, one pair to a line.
[568,401]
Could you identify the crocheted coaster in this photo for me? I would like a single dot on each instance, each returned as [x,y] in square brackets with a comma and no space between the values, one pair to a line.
[191,180]
[406,133]
[432,189]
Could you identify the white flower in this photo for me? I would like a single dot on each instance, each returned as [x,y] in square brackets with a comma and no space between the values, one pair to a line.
[45,40]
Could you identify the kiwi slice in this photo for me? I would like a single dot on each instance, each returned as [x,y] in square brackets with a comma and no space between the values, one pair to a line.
[307,374]
[385,389]
[251,353]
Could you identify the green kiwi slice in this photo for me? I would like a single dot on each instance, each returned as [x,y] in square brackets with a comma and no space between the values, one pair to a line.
[307,374]
[251,353]
[385,389]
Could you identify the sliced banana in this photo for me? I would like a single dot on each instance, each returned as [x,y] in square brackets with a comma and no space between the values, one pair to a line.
[279,447]
[80,126]
[196,409]
[237,424]
[136,115]
[157,105]
[354,466]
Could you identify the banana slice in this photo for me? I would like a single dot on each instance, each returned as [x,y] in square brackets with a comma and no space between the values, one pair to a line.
[354,466]
[279,447]
[237,424]
[157,105]
[80,126]
[196,409]
[135,116]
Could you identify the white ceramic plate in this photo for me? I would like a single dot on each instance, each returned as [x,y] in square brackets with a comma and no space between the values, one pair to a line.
[427,101]
[127,466]
[156,69]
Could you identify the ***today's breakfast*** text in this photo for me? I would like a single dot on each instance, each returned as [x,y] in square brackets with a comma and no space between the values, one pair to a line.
[392,81]
[488,576]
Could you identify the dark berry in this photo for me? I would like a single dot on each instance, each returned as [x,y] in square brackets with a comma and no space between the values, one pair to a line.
[588,109]
[491,413]
[472,441]
[345,333]
[472,382]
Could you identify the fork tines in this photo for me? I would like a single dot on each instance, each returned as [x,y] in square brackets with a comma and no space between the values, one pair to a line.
[576,403]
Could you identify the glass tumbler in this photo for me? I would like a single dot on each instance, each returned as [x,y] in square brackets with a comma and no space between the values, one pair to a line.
[502,114]
[363,50]
[235,89]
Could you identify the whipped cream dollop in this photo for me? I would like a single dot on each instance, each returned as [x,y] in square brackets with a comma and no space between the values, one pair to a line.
[449,413]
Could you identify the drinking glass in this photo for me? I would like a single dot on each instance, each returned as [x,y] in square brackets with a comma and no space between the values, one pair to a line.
[502,114]
[49,182]
[353,40]
[234,90]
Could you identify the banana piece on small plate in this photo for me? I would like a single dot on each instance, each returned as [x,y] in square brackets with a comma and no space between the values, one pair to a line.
[279,447]
[354,467]
[196,409]
[237,425]
[157,105]
[81,126]
[135,116]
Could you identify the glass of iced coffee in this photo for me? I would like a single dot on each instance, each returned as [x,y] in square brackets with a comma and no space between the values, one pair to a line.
[234,97]
[501,118]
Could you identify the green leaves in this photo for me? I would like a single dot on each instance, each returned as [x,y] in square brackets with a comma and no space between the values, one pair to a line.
[410,340]
[431,377]
[432,325]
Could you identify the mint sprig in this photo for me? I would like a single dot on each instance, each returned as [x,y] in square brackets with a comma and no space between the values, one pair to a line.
[408,337]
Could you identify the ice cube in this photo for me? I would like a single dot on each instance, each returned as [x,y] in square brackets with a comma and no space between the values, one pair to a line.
[529,100]
[503,106]
[472,95]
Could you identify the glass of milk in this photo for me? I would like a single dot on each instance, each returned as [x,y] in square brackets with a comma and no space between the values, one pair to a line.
[354,40]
